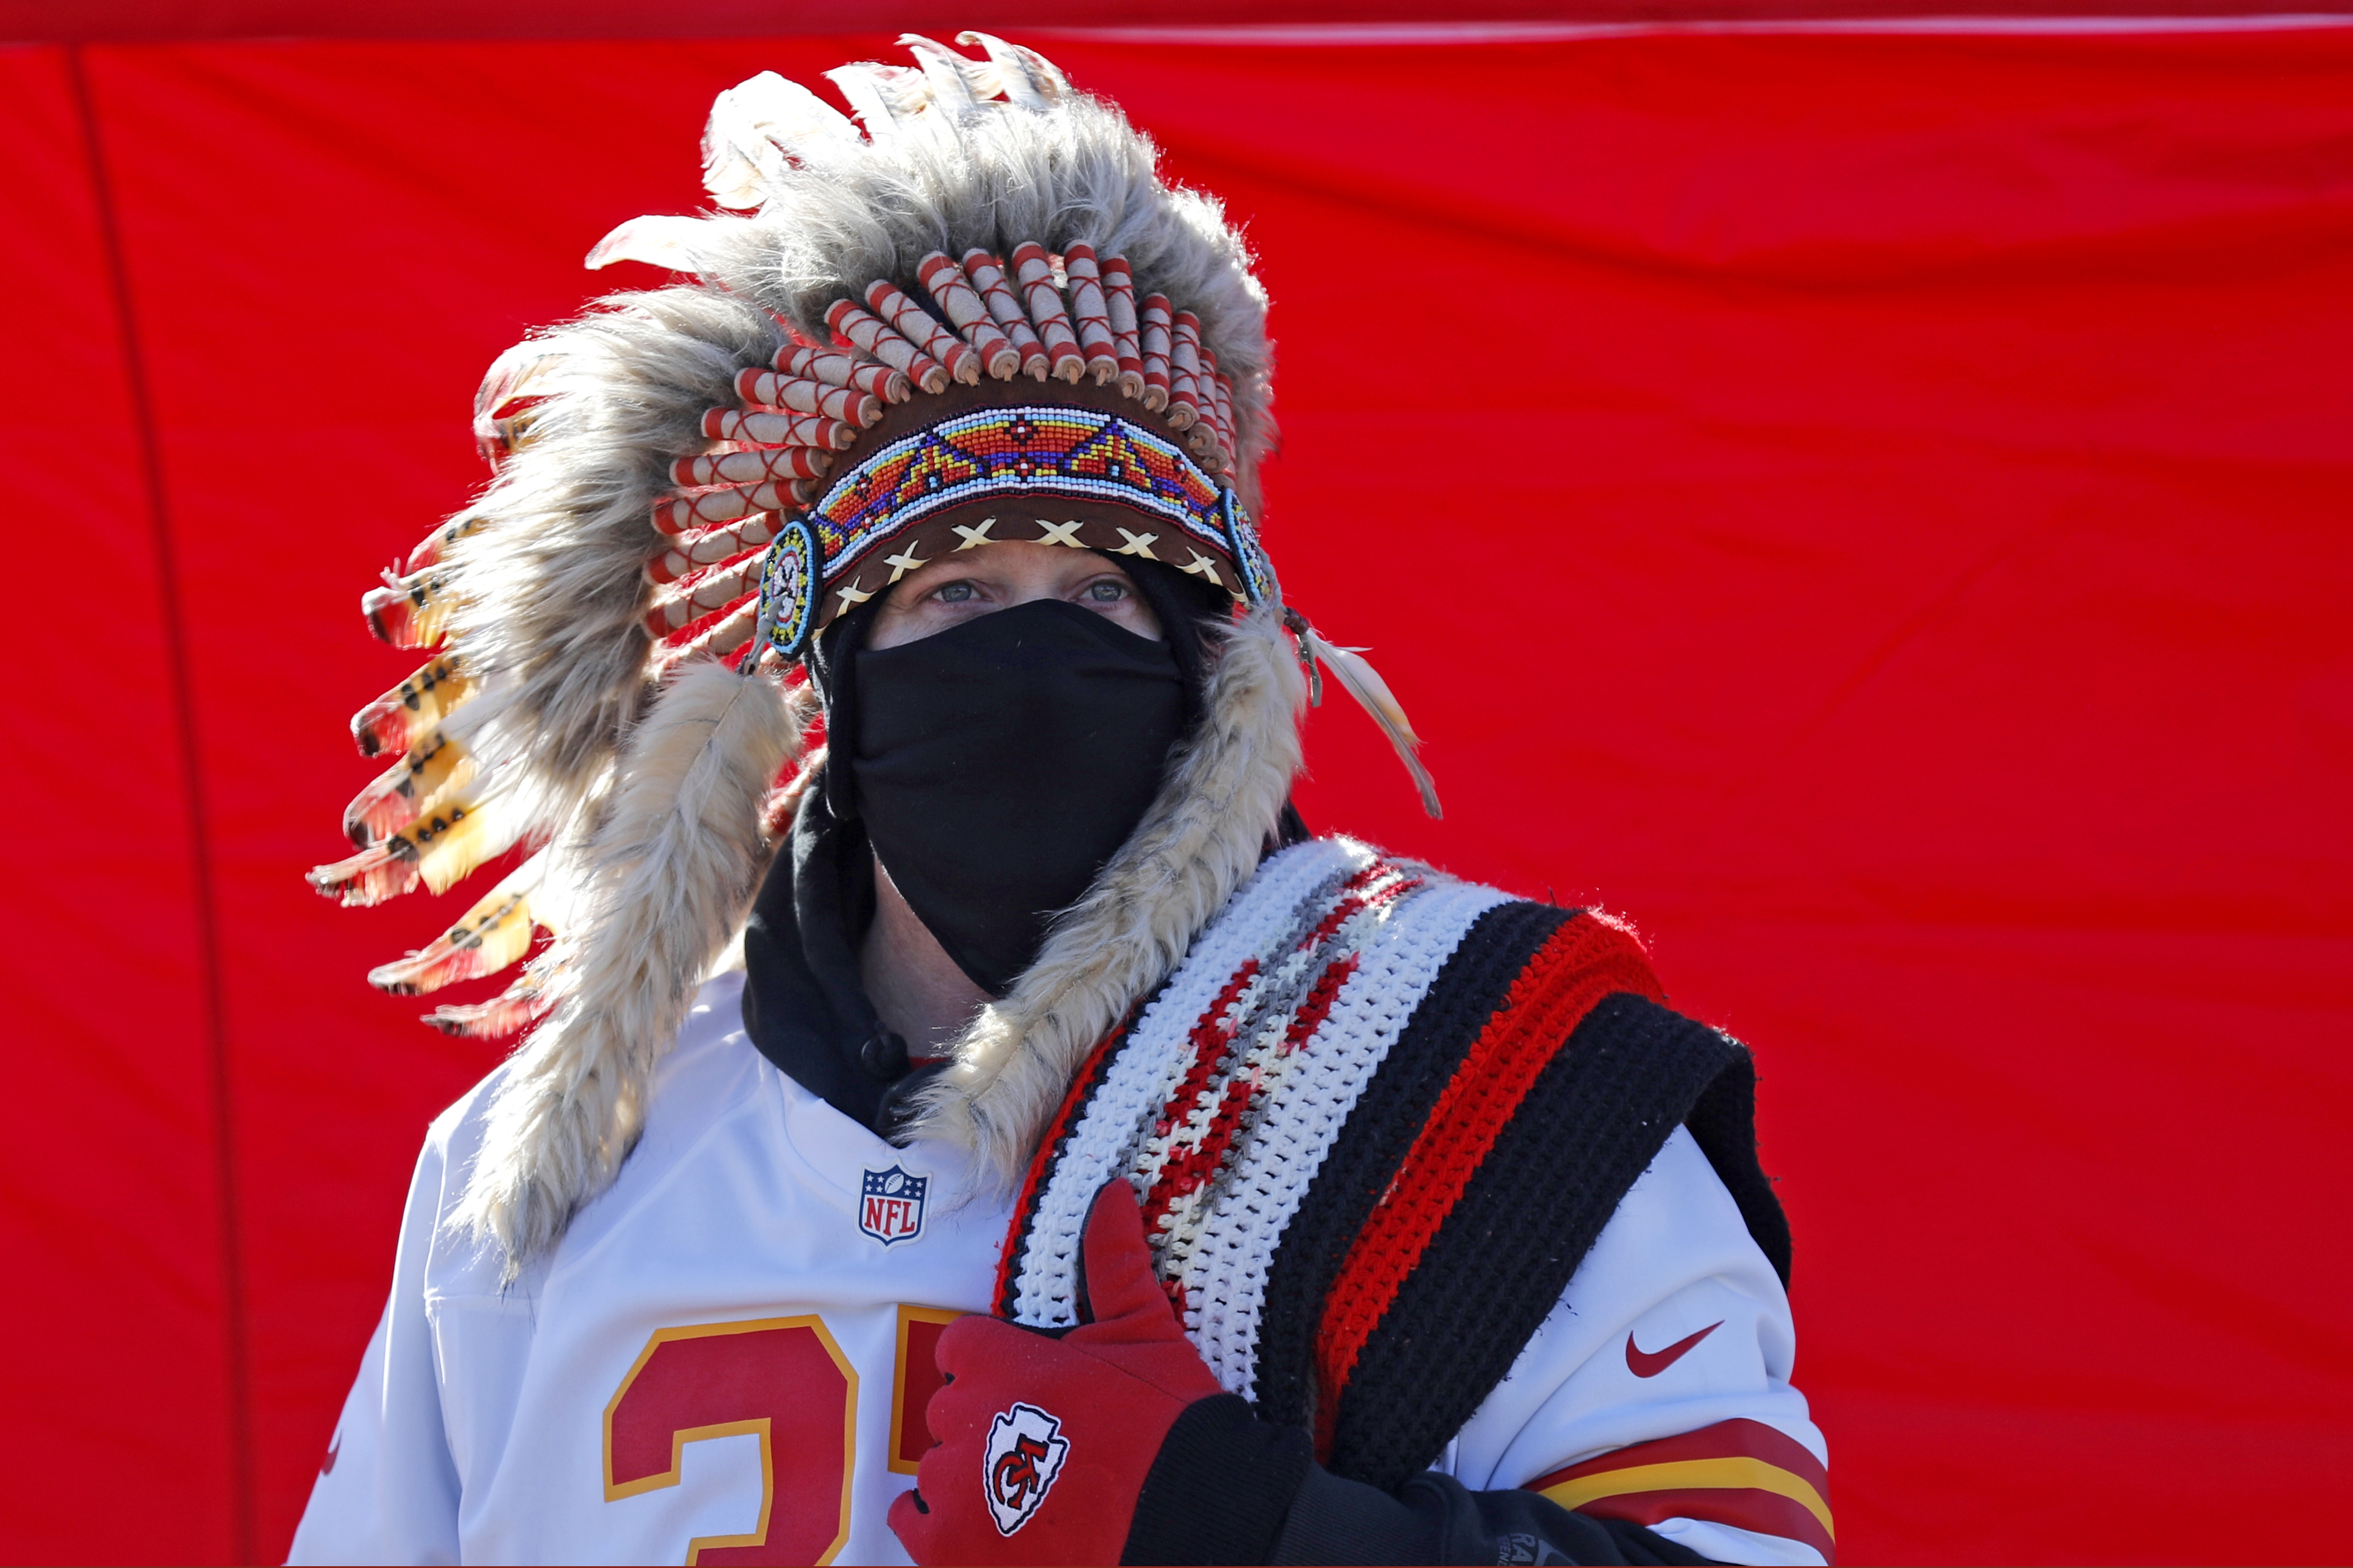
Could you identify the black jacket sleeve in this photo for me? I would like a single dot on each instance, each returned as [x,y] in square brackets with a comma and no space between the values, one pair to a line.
[1434,1518]
[1227,1488]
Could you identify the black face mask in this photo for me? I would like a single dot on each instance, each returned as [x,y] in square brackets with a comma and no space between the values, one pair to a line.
[998,766]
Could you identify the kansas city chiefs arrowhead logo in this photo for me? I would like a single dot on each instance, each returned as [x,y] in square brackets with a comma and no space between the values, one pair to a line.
[1024,1453]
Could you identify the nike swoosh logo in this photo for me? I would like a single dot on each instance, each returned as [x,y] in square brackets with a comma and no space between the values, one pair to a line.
[1650,1363]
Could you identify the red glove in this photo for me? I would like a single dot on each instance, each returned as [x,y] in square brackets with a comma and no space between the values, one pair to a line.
[1043,1441]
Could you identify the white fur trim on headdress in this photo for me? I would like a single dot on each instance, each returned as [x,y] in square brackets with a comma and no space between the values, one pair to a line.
[674,865]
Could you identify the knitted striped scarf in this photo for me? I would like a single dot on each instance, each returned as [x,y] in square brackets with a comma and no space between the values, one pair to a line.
[1375,1118]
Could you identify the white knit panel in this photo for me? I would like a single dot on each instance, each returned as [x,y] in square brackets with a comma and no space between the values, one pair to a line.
[1303,1111]
[1152,1061]
[1257,1061]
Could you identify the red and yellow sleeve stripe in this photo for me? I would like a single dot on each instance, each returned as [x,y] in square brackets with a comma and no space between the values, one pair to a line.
[1744,1474]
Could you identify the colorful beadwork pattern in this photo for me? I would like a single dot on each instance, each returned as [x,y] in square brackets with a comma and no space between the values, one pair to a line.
[1250,556]
[788,587]
[1077,454]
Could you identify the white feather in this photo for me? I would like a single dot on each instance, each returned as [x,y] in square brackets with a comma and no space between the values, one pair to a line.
[660,241]
[883,96]
[1011,69]
[1027,78]
[1380,704]
[948,74]
[756,128]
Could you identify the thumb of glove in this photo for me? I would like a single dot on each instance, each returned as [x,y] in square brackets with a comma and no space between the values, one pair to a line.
[1125,1313]
[1117,1287]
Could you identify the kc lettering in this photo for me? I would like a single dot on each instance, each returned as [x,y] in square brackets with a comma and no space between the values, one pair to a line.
[1024,1453]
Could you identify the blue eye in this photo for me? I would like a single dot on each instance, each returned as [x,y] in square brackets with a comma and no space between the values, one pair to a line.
[1107,593]
[953,593]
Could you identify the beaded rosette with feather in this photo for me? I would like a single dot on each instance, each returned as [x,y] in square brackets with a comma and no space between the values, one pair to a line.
[981,317]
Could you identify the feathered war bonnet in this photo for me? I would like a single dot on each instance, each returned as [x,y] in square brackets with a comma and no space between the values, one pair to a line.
[985,318]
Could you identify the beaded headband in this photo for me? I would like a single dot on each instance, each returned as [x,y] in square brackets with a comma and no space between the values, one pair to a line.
[952,448]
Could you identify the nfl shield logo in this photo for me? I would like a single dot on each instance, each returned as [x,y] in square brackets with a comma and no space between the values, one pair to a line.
[890,1206]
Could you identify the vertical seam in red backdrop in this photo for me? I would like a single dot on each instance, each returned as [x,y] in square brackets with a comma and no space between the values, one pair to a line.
[200,863]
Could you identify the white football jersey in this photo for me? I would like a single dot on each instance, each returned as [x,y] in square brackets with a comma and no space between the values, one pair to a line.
[727,1358]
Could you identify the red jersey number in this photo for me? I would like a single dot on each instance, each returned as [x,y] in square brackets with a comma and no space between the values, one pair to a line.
[784,1380]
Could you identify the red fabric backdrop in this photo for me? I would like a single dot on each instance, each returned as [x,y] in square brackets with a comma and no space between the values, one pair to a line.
[1871,506]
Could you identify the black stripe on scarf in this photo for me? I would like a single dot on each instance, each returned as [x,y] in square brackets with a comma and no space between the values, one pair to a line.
[1592,1122]
[1373,1142]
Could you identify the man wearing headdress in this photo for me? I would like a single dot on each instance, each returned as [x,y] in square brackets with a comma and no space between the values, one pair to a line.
[1001,1132]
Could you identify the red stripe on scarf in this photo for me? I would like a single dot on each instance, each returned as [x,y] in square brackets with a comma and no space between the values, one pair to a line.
[1588,958]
